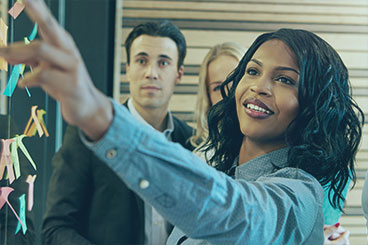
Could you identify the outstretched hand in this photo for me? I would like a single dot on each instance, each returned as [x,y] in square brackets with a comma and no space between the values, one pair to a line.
[61,72]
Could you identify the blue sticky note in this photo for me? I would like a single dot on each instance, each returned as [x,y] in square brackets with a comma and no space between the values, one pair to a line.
[13,80]
[22,214]
[33,33]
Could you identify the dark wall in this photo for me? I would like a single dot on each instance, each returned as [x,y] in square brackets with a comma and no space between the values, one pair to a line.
[91,23]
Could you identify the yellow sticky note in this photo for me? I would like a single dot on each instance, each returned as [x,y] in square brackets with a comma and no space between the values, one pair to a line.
[3,42]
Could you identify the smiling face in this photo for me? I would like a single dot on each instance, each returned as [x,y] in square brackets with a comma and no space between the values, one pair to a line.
[218,70]
[152,72]
[267,95]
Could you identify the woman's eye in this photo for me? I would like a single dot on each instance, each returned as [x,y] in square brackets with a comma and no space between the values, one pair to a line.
[252,71]
[286,80]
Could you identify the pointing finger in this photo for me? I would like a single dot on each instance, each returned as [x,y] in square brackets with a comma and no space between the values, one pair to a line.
[50,30]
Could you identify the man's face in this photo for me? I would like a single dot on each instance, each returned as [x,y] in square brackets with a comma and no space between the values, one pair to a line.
[153,71]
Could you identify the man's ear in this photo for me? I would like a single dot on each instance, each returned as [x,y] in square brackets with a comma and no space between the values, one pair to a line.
[180,75]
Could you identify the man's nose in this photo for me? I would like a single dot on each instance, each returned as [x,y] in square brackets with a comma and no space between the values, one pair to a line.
[151,72]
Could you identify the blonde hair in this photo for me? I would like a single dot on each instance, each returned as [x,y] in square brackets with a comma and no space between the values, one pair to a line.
[203,101]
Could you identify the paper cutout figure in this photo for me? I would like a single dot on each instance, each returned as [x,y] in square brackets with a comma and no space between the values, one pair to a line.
[20,144]
[16,9]
[13,80]
[36,123]
[5,160]
[30,180]
[15,158]
[3,42]
[4,193]
[22,215]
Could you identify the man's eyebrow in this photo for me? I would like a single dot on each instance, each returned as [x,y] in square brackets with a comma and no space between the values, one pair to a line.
[141,54]
[165,56]
[283,68]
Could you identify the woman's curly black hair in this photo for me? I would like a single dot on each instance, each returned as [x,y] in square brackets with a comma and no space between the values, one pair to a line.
[327,131]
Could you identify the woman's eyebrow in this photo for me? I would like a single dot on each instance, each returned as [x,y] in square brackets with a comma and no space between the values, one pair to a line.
[257,62]
[283,68]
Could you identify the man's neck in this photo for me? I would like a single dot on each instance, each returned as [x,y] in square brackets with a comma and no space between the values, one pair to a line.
[156,117]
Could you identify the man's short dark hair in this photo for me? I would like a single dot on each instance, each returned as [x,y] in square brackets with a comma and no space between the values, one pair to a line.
[158,29]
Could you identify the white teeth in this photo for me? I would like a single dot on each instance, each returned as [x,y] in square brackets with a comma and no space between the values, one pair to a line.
[257,108]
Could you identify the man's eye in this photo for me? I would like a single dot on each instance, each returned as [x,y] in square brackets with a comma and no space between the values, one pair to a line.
[164,63]
[141,61]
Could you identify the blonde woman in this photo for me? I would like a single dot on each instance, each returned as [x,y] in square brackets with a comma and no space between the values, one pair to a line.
[219,62]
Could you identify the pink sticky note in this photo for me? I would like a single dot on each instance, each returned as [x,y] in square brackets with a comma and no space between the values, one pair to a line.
[16,9]
[30,180]
[4,193]
[6,159]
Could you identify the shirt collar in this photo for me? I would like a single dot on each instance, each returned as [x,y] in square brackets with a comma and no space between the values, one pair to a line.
[262,165]
[170,122]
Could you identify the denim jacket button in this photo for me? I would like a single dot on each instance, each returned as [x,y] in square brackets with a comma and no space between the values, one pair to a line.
[143,184]
[110,154]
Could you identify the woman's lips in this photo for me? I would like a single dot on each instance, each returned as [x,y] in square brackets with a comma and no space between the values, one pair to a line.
[257,109]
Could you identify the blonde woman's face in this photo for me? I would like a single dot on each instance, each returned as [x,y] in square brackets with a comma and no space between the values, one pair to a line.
[218,70]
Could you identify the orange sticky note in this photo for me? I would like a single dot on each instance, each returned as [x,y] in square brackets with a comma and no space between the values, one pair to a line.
[36,122]
[16,9]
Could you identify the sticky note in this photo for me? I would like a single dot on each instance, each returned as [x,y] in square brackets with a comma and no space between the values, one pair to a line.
[13,80]
[33,33]
[4,194]
[6,160]
[36,122]
[16,9]
[22,215]
[3,33]
[15,158]
[30,180]
[24,150]
[3,42]
[40,114]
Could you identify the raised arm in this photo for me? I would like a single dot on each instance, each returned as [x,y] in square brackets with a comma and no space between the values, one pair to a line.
[278,208]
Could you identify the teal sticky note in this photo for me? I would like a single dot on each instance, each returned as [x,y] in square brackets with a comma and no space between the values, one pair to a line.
[332,215]
[22,214]
[33,33]
[13,80]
